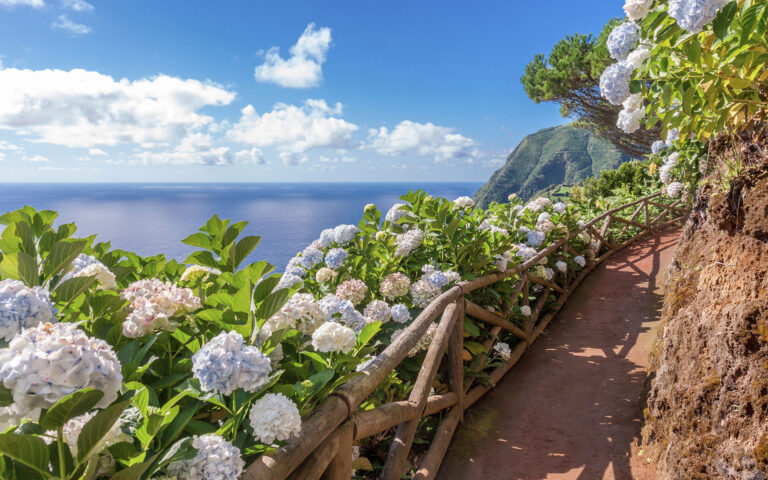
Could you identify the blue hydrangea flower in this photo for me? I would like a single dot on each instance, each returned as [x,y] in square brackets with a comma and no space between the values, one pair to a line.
[23,307]
[692,15]
[336,257]
[225,364]
[672,136]
[438,279]
[622,40]
[311,257]
[294,267]
[327,237]
[343,311]
[288,280]
[400,313]
[658,147]
[614,82]
[344,233]
[535,238]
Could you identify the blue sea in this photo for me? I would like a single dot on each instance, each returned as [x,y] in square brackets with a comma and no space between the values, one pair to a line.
[153,218]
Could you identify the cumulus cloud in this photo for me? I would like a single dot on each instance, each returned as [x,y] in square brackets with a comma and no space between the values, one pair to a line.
[195,149]
[64,23]
[96,152]
[36,159]
[304,68]
[28,3]
[422,139]
[80,108]
[294,129]
[77,5]
[254,155]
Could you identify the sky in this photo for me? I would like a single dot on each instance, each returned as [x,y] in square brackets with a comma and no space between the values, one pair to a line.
[278,91]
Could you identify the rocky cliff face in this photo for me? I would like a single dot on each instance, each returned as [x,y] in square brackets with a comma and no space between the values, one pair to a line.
[549,157]
[707,403]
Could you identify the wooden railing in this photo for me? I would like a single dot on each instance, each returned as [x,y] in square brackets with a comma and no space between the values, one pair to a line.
[324,447]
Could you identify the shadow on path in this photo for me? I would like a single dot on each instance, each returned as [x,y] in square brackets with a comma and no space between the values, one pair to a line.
[570,409]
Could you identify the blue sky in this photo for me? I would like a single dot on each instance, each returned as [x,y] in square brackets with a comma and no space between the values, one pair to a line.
[194,91]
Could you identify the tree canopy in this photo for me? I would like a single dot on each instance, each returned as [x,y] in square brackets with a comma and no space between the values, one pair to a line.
[570,76]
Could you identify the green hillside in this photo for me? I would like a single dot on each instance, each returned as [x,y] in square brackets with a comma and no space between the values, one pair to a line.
[554,156]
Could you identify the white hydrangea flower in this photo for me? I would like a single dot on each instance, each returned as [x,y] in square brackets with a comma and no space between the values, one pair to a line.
[193,273]
[74,426]
[89,266]
[525,310]
[544,226]
[216,459]
[550,274]
[23,307]
[353,290]
[538,204]
[503,350]
[303,312]
[614,82]
[368,207]
[44,364]
[408,241]
[502,260]
[331,306]
[423,292]
[153,304]
[665,174]
[400,313]
[673,159]
[325,274]
[377,311]
[526,252]
[692,15]
[394,214]
[628,121]
[327,237]
[10,416]
[333,337]
[394,285]
[463,203]
[622,40]
[559,207]
[288,280]
[674,189]
[637,9]
[561,266]
[638,56]
[344,233]
[295,267]
[225,364]
[580,261]
[658,147]
[274,417]
[672,136]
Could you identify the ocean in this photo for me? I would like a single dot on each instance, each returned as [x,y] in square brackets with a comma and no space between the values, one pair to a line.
[153,218]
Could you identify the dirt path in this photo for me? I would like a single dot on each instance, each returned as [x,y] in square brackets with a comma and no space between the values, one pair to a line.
[570,409]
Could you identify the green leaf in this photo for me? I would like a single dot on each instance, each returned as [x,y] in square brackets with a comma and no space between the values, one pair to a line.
[242,299]
[29,450]
[71,406]
[134,472]
[71,288]
[9,265]
[95,430]
[181,450]
[198,239]
[264,288]
[61,256]
[6,397]
[272,303]
[202,258]
[28,269]
[368,332]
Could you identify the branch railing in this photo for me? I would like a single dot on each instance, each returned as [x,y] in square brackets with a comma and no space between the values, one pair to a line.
[323,450]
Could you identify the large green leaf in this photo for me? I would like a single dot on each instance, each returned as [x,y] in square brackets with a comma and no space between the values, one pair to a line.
[95,430]
[181,450]
[198,239]
[71,406]
[272,303]
[70,288]
[6,397]
[241,250]
[27,269]
[134,472]
[29,450]
[61,256]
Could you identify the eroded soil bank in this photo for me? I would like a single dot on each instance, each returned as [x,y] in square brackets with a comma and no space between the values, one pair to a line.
[707,404]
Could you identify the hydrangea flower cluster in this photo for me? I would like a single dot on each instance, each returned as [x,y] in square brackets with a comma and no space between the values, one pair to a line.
[580,261]
[274,417]
[400,313]
[336,257]
[658,146]
[638,56]
[559,207]
[637,9]
[395,213]
[153,304]
[331,306]
[672,136]
[377,311]
[630,116]
[310,257]
[216,459]
[408,241]
[423,292]
[614,82]
[622,40]
[538,204]
[333,337]
[502,260]
[74,426]
[525,310]
[288,280]
[341,234]
[193,273]
[301,311]
[353,290]
[225,364]
[43,364]
[674,189]
[295,268]
[23,307]
[503,350]
[394,285]
[325,274]
[88,266]
[692,15]
[561,266]
[665,172]
[535,238]
[463,203]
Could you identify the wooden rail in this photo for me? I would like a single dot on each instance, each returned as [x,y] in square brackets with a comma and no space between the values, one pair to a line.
[323,449]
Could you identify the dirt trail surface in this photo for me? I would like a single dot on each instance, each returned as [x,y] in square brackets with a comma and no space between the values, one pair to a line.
[571,408]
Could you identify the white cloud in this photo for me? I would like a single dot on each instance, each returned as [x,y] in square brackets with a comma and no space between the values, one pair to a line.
[195,149]
[28,3]
[344,159]
[80,108]
[294,129]
[36,159]
[304,68]
[96,152]
[293,159]
[253,155]
[422,139]
[77,5]
[64,23]
[7,146]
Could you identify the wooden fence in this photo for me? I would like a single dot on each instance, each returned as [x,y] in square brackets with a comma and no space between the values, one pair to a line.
[324,447]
